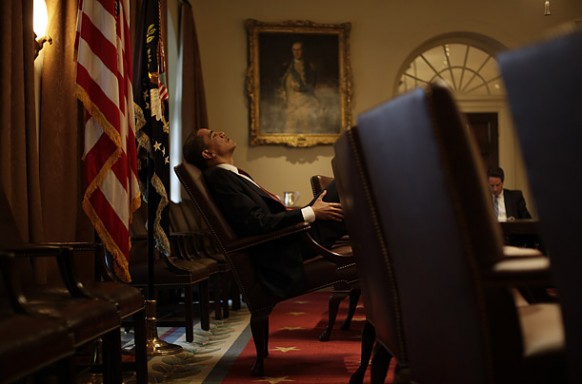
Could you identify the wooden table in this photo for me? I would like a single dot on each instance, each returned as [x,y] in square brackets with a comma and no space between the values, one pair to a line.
[520,227]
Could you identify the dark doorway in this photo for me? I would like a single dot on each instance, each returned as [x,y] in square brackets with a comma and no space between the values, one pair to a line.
[485,127]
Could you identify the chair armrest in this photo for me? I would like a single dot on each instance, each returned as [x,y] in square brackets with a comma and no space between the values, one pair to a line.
[248,242]
[511,251]
[341,259]
[34,250]
[79,246]
[180,235]
[520,271]
[63,252]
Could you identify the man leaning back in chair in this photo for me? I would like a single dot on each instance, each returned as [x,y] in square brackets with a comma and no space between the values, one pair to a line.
[252,210]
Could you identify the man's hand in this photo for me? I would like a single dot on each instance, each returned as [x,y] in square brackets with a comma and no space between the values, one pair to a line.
[327,211]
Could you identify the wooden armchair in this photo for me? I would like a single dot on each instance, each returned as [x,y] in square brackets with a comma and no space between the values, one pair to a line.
[89,310]
[106,286]
[206,246]
[543,83]
[30,342]
[88,319]
[427,194]
[187,244]
[328,270]
[170,273]
[377,279]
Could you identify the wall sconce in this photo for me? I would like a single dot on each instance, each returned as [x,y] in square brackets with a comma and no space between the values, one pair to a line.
[547,11]
[40,23]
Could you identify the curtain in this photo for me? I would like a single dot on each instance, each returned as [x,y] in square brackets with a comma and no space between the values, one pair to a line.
[61,129]
[19,171]
[194,114]
[61,135]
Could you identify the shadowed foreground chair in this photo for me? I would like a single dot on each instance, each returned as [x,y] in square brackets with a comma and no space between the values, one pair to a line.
[318,183]
[544,83]
[63,295]
[206,246]
[30,343]
[430,206]
[377,281]
[332,270]
[128,300]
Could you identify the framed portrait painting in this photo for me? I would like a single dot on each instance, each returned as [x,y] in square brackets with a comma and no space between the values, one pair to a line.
[299,82]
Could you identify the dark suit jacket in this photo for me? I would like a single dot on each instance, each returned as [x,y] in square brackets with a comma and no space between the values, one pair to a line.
[515,205]
[251,211]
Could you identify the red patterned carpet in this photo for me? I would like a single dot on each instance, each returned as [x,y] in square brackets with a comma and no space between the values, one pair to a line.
[295,353]
[225,354]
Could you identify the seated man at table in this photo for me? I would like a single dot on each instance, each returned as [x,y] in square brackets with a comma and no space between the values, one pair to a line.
[510,205]
[252,210]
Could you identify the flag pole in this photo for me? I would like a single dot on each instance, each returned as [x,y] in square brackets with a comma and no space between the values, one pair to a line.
[150,16]
[154,345]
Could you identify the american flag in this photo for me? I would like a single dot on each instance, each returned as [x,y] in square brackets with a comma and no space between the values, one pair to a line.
[104,86]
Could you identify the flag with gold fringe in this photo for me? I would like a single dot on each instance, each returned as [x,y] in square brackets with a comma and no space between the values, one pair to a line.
[104,86]
[151,94]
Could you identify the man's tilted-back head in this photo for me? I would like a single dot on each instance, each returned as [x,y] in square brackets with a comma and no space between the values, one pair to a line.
[193,148]
[205,148]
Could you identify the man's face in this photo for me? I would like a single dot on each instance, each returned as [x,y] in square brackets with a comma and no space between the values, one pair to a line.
[217,143]
[495,185]
[297,50]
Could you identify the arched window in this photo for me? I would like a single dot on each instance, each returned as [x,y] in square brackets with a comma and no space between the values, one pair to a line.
[468,68]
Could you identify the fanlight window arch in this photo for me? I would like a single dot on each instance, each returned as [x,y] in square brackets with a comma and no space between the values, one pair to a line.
[467,69]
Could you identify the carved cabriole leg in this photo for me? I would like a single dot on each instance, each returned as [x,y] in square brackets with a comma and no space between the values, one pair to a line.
[368,340]
[334,301]
[380,364]
[354,298]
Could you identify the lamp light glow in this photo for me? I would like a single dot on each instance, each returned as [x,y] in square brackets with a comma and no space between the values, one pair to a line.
[40,25]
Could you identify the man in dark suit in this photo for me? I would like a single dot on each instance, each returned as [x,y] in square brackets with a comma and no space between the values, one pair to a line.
[252,210]
[508,204]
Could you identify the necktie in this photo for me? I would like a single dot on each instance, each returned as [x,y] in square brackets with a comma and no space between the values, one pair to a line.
[496,205]
[271,195]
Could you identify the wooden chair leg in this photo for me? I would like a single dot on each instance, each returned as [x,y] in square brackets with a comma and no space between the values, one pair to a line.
[189,313]
[141,357]
[217,292]
[368,341]
[235,294]
[266,350]
[334,301]
[354,298]
[225,293]
[111,352]
[204,298]
[380,364]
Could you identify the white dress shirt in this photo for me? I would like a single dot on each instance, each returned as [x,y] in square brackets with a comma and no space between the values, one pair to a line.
[501,212]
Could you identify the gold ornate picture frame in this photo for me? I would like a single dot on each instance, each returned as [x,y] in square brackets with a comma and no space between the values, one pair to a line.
[299,82]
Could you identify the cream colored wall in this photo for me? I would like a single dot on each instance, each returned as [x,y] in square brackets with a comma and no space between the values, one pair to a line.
[384,33]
